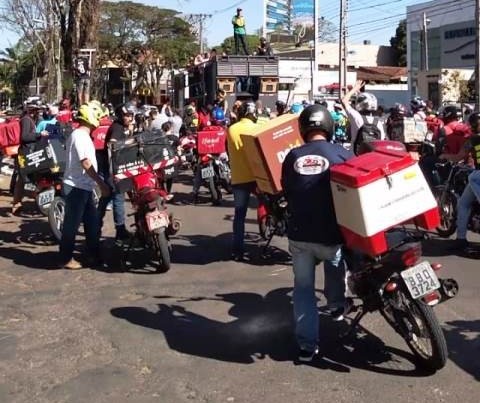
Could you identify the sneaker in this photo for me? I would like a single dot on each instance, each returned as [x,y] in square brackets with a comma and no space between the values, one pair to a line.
[72,264]
[109,206]
[307,355]
[338,314]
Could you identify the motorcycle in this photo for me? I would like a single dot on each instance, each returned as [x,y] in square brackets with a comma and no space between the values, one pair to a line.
[43,187]
[153,223]
[188,146]
[403,288]
[447,196]
[214,173]
[272,216]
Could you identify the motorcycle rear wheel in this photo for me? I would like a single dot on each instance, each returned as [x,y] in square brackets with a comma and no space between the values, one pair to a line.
[215,192]
[448,212]
[419,327]
[161,250]
[56,216]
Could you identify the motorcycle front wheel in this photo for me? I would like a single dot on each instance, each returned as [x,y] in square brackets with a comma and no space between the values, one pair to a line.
[416,322]
[56,216]
[447,205]
[161,250]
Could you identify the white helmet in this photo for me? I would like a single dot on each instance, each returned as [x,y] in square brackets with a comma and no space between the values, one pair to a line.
[366,102]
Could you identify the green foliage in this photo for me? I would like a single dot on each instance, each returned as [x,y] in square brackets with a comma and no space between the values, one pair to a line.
[16,69]
[228,45]
[126,26]
[399,43]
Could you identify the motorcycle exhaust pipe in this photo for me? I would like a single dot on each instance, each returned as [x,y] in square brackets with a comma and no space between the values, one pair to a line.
[448,288]
[174,226]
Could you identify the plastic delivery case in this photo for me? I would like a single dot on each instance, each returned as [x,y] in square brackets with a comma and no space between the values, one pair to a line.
[409,130]
[375,192]
[46,155]
[211,140]
[267,150]
[146,151]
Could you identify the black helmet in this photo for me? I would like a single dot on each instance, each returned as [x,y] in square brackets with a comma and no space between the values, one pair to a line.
[322,102]
[123,110]
[474,120]
[316,118]
[248,110]
[451,112]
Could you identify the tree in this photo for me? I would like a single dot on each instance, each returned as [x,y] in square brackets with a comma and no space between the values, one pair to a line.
[399,43]
[228,44]
[326,32]
[146,40]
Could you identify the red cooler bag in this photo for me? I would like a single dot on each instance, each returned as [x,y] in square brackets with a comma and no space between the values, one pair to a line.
[211,140]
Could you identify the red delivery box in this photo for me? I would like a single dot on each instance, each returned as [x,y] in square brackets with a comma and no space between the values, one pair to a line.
[377,191]
[211,140]
[267,150]
[98,136]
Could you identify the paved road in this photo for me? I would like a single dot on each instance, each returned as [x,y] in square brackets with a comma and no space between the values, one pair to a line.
[210,330]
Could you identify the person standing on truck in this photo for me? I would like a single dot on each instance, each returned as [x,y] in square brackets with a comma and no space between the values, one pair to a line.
[239,32]
[81,67]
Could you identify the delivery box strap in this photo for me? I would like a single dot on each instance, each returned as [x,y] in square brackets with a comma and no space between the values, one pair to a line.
[386,171]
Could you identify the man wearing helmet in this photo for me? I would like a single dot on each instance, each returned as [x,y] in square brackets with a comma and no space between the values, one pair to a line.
[118,131]
[363,115]
[471,153]
[418,106]
[80,180]
[313,232]
[280,107]
[243,181]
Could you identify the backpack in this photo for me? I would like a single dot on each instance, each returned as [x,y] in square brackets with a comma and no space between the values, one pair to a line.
[367,133]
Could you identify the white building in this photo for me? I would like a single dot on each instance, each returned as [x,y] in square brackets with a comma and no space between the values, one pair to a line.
[450,48]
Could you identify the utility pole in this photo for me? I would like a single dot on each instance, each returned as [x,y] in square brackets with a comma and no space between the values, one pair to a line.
[477,55]
[199,19]
[425,41]
[342,56]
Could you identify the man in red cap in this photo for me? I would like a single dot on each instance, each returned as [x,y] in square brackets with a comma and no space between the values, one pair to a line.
[239,32]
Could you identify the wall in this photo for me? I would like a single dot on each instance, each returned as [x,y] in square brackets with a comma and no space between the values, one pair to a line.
[389,94]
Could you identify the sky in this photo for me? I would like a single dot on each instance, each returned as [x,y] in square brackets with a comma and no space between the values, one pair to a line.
[384,15]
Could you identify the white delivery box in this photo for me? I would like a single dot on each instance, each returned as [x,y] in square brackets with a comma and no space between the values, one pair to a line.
[408,130]
[377,191]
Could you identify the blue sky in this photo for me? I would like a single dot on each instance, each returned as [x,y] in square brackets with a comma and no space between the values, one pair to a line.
[219,26]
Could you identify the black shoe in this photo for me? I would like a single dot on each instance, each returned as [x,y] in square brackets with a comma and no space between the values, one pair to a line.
[307,355]
[338,314]
[460,245]
[122,234]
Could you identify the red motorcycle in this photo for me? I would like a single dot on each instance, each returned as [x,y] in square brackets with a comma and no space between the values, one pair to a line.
[154,224]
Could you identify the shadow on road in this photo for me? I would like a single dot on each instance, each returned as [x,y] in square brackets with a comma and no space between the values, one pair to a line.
[438,247]
[263,328]
[204,249]
[463,339]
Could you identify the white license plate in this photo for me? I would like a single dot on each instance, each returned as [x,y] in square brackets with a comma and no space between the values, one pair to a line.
[30,187]
[208,172]
[46,197]
[420,280]
[157,219]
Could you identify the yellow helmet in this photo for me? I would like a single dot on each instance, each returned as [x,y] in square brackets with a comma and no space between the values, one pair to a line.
[100,109]
[90,113]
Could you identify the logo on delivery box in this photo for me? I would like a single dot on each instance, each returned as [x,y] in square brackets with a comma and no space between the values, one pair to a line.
[281,155]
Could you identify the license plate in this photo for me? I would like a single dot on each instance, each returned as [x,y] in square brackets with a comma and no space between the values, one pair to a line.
[46,197]
[157,219]
[208,172]
[30,187]
[420,280]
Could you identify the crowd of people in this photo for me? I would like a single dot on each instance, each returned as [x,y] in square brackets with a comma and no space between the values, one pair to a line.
[332,133]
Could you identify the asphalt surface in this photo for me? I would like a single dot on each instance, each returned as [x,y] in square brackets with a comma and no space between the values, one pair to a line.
[209,330]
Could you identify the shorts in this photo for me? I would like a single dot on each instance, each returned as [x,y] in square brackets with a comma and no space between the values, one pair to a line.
[83,84]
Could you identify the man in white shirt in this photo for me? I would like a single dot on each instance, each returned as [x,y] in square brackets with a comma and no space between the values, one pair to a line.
[177,122]
[157,120]
[364,112]
[79,182]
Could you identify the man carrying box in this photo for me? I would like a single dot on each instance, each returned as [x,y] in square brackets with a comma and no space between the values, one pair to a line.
[243,181]
[313,232]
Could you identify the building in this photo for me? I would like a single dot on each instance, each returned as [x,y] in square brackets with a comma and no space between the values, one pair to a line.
[441,70]
[277,16]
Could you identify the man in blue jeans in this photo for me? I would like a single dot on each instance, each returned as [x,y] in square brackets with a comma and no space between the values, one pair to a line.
[243,181]
[79,181]
[313,232]
[118,131]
